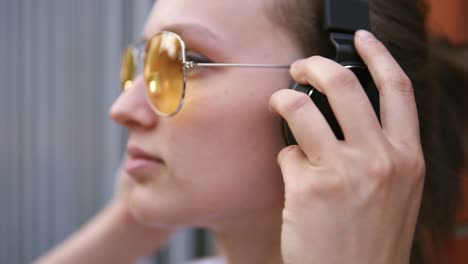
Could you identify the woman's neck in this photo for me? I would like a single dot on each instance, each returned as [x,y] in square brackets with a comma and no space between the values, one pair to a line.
[253,239]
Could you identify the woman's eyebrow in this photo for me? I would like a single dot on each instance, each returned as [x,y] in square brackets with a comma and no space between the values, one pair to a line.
[185,29]
[198,37]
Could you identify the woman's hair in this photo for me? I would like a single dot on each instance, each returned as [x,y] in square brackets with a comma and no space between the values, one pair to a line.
[440,84]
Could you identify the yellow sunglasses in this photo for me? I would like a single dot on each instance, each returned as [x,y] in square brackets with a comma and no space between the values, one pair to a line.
[165,70]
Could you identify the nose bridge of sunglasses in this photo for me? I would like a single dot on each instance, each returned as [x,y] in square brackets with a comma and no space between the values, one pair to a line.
[132,65]
[138,56]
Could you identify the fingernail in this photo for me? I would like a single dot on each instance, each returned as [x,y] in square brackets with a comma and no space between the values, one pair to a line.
[365,35]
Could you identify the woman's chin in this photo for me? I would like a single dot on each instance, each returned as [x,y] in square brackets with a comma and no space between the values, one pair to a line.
[150,209]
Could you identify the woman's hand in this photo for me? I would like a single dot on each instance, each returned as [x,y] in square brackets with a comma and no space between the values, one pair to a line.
[112,236]
[357,200]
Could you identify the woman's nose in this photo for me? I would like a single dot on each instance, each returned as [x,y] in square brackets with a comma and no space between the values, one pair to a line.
[131,108]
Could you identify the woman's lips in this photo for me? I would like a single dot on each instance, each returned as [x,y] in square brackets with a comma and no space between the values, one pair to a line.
[139,161]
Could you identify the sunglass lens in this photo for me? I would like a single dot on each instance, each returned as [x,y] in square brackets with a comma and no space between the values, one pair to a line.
[127,70]
[163,73]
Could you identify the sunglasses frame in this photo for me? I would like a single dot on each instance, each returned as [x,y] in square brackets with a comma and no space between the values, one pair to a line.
[139,57]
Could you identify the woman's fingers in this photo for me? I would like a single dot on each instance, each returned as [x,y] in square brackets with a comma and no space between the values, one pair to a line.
[305,121]
[293,163]
[345,94]
[349,102]
[397,104]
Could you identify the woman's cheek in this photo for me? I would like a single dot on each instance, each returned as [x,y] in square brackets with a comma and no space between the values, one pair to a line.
[221,145]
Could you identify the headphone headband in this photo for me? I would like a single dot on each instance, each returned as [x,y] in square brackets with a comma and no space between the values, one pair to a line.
[346,16]
[342,19]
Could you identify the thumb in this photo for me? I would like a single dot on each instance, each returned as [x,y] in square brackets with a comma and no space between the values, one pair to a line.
[293,163]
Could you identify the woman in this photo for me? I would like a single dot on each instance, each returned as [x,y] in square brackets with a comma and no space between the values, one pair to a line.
[213,163]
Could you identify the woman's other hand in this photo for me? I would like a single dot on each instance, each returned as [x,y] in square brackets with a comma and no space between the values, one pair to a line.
[112,236]
[357,200]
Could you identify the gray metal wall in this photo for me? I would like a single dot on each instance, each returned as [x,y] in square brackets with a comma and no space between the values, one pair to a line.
[59,151]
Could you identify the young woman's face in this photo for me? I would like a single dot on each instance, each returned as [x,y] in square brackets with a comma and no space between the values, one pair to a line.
[219,152]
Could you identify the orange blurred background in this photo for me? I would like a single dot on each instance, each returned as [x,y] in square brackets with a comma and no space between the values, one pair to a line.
[449,18]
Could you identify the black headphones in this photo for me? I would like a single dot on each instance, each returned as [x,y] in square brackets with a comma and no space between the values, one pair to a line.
[342,19]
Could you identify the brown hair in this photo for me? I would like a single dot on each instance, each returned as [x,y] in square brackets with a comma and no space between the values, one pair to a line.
[440,84]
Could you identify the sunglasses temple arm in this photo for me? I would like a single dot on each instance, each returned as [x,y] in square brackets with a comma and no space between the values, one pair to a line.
[191,64]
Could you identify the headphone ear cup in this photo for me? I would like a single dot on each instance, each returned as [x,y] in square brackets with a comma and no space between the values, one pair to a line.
[323,105]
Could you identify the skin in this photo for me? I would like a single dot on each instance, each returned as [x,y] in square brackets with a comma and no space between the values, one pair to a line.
[328,201]
[226,179]
[229,103]
[360,196]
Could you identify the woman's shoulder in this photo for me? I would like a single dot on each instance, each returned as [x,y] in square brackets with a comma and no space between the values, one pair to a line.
[208,260]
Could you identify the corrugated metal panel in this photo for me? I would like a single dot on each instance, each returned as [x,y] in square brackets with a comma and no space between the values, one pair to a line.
[59,64]
[58,149]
